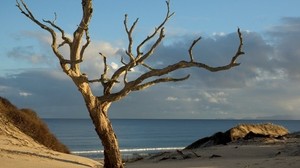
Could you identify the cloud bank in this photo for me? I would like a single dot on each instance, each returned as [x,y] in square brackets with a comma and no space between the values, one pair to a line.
[265,85]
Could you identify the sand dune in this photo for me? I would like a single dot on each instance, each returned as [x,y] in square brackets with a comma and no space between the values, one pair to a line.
[18,150]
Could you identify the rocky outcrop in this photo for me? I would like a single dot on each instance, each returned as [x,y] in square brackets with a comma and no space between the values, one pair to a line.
[242,131]
[267,129]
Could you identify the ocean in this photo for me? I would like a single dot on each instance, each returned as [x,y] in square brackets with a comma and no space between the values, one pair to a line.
[144,136]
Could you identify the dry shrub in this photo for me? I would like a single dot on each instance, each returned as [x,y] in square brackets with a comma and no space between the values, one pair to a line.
[5,105]
[29,123]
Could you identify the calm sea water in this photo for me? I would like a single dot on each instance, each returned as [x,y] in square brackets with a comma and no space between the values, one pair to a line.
[144,136]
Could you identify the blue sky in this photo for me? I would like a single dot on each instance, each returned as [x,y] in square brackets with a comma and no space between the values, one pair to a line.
[265,86]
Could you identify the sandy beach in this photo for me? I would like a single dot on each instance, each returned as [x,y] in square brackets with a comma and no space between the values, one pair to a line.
[259,146]
[18,150]
[229,156]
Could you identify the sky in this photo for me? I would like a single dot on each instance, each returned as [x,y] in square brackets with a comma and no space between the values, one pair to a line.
[264,86]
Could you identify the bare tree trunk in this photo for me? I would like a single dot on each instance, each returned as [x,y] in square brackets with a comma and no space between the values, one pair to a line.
[112,155]
[98,110]
[104,129]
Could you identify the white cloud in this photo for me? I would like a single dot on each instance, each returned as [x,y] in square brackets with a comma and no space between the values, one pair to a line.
[25,94]
[184,99]
[263,85]
[3,88]
[215,97]
[58,75]
[222,113]
[219,34]
[92,64]
[189,99]
[114,66]
[30,54]
[291,104]
[263,75]
[170,98]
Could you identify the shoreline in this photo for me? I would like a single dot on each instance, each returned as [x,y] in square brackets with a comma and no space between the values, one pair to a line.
[18,150]
[22,153]
[255,154]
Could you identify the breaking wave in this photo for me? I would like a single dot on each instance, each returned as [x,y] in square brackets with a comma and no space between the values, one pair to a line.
[133,150]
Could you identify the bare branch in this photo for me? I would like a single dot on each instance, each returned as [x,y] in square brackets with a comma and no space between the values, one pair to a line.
[191,49]
[156,81]
[129,35]
[76,53]
[66,40]
[103,76]
[134,86]
[184,64]
[239,50]
[147,66]
[88,40]
[179,65]
[122,61]
[154,46]
[104,79]
[132,59]
[25,11]
[125,76]
[62,43]
[167,17]
[140,56]
[94,80]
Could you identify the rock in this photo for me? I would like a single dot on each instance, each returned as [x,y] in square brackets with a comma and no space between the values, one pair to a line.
[214,156]
[242,131]
[252,135]
[216,139]
[268,129]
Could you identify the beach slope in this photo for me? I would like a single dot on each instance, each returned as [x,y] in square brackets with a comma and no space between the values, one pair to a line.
[17,150]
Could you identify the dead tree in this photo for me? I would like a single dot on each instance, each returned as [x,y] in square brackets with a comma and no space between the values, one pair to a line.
[98,105]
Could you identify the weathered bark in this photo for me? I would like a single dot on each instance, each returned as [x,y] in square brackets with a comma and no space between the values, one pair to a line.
[104,129]
[112,154]
[98,110]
